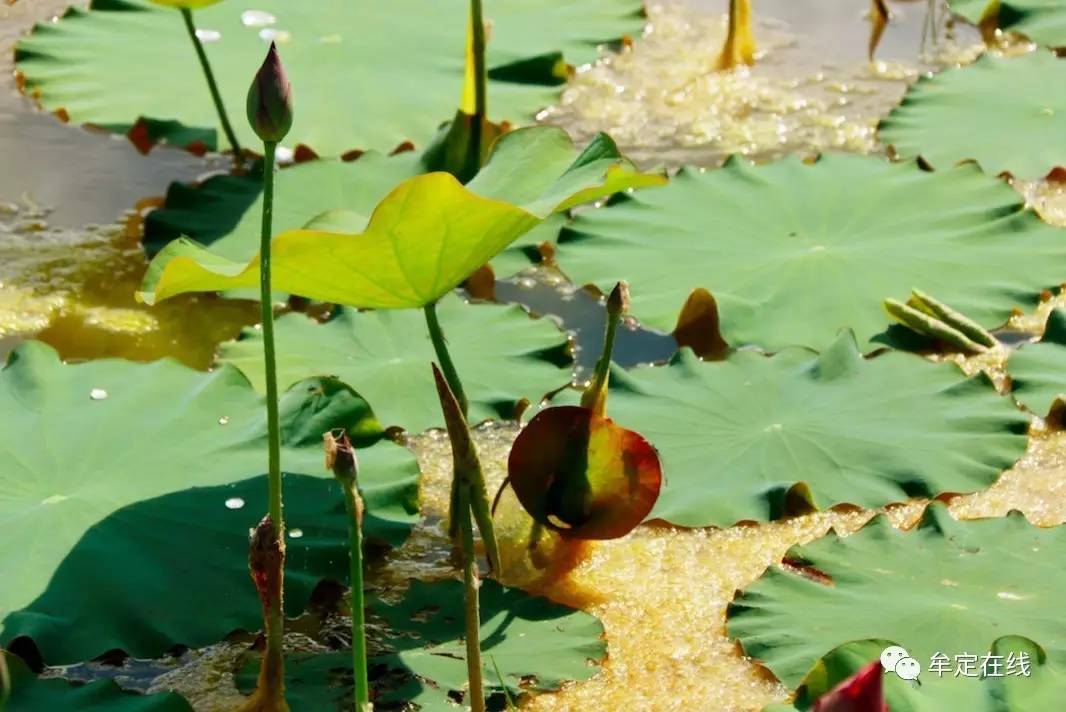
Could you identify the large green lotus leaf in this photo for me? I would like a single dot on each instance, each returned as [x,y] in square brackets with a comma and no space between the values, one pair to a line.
[1043,689]
[1043,21]
[32,694]
[793,253]
[500,352]
[736,436]
[224,211]
[1038,371]
[365,74]
[534,643]
[948,587]
[995,111]
[429,234]
[120,491]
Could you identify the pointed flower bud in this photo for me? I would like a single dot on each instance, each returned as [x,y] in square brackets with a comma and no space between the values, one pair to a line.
[270,99]
[340,457]
[618,301]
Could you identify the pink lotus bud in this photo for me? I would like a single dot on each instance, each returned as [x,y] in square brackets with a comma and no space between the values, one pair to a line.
[270,100]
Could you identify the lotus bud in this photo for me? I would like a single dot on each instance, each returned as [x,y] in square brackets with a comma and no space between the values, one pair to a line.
[340,457]
[270,100]
[618,301]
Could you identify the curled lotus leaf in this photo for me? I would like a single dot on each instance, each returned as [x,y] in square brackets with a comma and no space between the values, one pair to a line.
[425,237]
[582,474]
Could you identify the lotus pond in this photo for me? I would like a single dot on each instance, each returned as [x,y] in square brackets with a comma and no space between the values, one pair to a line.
[490,354]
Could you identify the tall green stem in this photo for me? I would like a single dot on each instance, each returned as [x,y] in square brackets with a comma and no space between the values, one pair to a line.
[276,624]
[472,608]
[477,50]
[355,543]
[238,153]
[440,346]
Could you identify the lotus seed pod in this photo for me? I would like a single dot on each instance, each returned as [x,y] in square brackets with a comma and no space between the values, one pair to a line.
[270,100]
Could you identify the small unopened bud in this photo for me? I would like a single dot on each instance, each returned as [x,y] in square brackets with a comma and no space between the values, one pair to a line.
[270,100]
[618,302]
[340,457]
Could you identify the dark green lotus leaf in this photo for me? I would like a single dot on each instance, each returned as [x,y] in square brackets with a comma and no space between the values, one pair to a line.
[983,587]
[366,74]
[793,253]
[32,694]
[1038,371]
[124,486]
[752,437]
[501,353]
[1042,21]
[536,645]
[1012,123]
[225,211]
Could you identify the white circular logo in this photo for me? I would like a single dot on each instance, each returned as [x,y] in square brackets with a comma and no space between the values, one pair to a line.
[891,656]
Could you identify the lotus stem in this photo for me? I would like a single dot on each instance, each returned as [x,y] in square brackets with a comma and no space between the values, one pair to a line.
[274,617]
[354,503]
[472,612]
[340,458]
[476,59]
[595,396]
[739,44]
[466,474]
[878,22]
[266,561]
[220,108]
[440,347]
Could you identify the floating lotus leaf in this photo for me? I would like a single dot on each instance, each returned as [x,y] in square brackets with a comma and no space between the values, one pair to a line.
[536,644]
[367,74]
[793,253]
[126,493]
[1012,123]
[500,352]
[1038,371]
[225,211]
[584,475]
[1042,21]
[752,437]
[32,694]
[428,235]
[983,587]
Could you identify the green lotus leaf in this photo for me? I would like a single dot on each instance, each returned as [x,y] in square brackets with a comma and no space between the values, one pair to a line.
[1038,371]
[536,644]
[751,437]
[793,253]
[367,74]
[32,694]
[127,493]
[1012,123]
[501,352]
[428,235]
[1042,21]
[983,587]
[225,211]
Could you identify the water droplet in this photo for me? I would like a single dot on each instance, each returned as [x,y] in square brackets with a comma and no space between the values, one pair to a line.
[296,533]
[282,154]
[1008,596]
[234,503]
[330,39]
[54,499]
[208,35]
[272,35]
[98,394]
[224,420]
[257,18]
